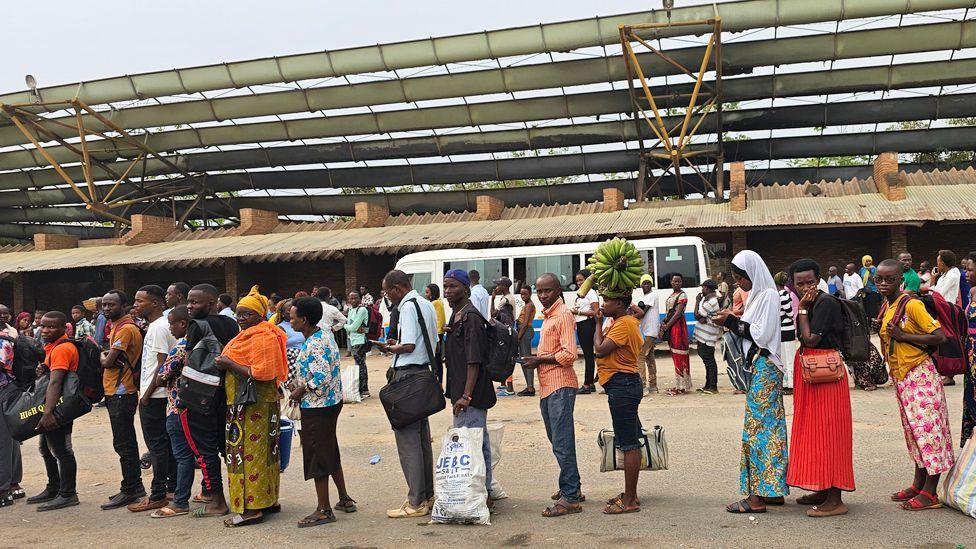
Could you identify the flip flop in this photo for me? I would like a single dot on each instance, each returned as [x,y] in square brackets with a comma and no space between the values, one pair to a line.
[201,512]
[617,508]
[238,521]
[200,498]
[324,516]
[742,507]
[619,498]
[167,512]
[562,508]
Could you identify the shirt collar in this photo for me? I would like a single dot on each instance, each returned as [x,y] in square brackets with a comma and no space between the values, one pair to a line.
[412,294]
[554,309]
[56,342]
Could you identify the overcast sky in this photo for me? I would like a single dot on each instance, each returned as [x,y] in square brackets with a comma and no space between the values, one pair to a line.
[64,41]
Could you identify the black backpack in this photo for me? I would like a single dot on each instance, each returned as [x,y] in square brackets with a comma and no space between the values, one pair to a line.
[503,348]
[28,353]
[90,369]
[855,344]
[200,386]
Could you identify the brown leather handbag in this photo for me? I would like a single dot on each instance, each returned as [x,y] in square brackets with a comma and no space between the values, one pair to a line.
[822,367]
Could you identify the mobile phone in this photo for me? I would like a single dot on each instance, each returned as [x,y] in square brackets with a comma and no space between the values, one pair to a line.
[376,342]
[520,360]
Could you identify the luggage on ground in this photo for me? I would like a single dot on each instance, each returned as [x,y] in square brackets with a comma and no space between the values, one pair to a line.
[653,450]
[460,496]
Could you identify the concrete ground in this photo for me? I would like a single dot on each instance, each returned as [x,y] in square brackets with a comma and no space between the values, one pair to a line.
[681,507]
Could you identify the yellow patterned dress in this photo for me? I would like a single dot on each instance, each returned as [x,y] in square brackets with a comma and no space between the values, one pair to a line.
[764,448]
[253,461]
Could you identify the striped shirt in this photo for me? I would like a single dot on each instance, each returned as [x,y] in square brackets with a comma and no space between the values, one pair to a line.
[557,339]
[706,331]
[786,322]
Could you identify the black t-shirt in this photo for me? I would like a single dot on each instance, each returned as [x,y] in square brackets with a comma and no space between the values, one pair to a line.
[224,329]
[467,343]
[827,321]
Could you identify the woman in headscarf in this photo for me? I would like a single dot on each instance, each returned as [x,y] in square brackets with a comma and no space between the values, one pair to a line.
[674,330]
[762,476]
[23,324]
[821,450]
[256,364]
[872,299]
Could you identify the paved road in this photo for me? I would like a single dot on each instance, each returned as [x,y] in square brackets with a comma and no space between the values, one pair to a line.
[682,506]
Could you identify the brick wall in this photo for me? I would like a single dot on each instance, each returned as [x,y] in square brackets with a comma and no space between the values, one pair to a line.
[254,221]
[737,186]
[147,229]
[925,242]
[613,200]
[825,246]
[43,241]
[489,208]
[371,215]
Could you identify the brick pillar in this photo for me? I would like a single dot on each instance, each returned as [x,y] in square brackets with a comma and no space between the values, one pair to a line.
[613,200]
[254,221]
[148,229]
[124,279]
[489,208]
[23,288]
[737,186]
[739,242]
[232,277]
[371,215]
[897,240]
[887,178]
[44,241]
[351,263]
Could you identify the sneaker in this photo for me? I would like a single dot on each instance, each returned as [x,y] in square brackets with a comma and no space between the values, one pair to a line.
[59,502]
[526,392]
[122,499]
[584,390]
[43,497]
[406,511]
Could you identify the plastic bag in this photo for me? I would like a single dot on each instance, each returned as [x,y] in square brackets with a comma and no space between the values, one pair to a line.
[350,384]
[496,431]
[958,487]
[460,496]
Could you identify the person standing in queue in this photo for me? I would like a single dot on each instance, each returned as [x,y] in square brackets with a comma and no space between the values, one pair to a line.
[468,387]
[822,447]
[585,310]
[906,331]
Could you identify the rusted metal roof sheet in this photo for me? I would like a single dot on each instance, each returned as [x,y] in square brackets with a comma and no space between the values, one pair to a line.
[931,203]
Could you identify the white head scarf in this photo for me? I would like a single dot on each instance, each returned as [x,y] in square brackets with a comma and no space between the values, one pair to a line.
[762,307]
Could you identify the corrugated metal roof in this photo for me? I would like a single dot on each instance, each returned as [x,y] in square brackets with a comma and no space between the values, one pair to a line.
[933,203]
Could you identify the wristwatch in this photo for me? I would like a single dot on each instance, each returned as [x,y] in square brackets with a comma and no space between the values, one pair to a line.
[803,311]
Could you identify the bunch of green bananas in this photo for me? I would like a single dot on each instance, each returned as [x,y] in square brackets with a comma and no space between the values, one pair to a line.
[616,268]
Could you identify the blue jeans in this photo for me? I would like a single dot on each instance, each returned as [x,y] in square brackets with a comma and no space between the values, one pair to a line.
[557,415]
[624,394]
[478,417]
[184,462]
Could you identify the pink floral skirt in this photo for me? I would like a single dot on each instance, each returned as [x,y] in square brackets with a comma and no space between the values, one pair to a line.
[925,418]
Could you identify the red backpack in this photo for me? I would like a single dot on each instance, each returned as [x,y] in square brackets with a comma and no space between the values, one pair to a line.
[374,326]
[949,357]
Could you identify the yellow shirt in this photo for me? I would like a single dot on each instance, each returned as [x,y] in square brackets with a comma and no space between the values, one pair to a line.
[902,357]
[439,311]
[625,332]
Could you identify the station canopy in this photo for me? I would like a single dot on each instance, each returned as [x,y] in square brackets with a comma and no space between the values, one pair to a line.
[656,103]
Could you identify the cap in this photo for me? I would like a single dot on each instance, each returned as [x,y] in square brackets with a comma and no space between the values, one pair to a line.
[709,283]
[646,278]
[504,281]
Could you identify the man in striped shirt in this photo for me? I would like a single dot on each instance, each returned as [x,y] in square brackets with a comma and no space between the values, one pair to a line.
[557,388]
[707,334]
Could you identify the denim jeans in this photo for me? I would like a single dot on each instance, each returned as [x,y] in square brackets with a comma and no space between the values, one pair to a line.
[122,417]
[153,419]
[557,415]
[624,394]
[184,461]
[59,460]
[478,417]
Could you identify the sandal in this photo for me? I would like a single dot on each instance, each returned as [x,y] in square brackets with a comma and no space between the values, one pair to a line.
[742,507]
[320,516]
[347,505]
[6,500]
[562,508]
[201,512]
[200,498]
[18,493]
[916,504]
[617,508]
[814,498]
[167,512]
[619,498]
[559,494]
[238,521]
[906,494]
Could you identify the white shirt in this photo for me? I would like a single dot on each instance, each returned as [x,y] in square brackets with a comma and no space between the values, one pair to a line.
[158,339]
[409,330]
[480,299]
[585,303]
[948,285]
[226,311]
[332,319]
[651,322]
[822,286]
[852,283]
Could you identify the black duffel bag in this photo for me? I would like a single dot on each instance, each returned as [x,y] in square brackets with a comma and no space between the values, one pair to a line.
[417,395]
[22,413]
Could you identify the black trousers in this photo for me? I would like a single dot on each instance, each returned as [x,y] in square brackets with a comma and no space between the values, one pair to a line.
[122,416]
[59,460]
[206,435]
[153,419]
[707,354]
[359,355]
[584,331]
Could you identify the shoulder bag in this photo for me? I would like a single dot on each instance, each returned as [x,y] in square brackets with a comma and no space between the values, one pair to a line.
[821,367]
[416,396]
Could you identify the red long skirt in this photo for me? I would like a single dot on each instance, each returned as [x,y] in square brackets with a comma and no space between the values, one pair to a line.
[821,444]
